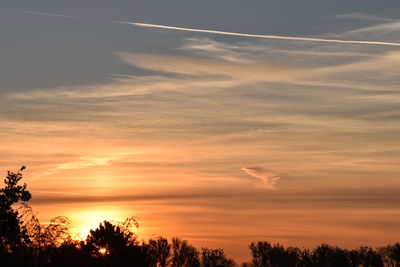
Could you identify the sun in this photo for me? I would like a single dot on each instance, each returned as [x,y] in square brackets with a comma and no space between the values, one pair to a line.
[103,251]
[87,219]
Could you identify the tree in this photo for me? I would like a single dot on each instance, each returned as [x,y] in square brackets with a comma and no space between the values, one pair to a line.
[368,257]
[13,234]
[325,255]
[183,254]
[215,258]
[110,239]
[52,234]
[114,245]
[265,255]
[260,253]
[44,238]
[158,252]
[68,254]
[305,258]
[391,255]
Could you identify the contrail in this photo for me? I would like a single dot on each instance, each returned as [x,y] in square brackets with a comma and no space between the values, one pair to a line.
[279,37]
[48,14]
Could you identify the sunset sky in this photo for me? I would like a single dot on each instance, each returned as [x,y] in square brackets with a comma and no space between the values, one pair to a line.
[220,122]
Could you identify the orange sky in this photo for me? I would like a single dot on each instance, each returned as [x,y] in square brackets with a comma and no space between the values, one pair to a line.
[219,140]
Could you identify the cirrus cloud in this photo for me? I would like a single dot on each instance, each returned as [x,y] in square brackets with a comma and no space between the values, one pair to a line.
[266,178]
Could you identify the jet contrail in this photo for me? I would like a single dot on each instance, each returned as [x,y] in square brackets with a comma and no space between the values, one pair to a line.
[279,37]
[48,14]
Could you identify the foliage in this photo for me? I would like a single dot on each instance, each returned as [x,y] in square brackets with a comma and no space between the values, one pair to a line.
[53,233]
[184,255]
[325,255]
[264,254]
[391,255]
[215,258]
[113,245]
[158,252]
[109,238]
[13,235]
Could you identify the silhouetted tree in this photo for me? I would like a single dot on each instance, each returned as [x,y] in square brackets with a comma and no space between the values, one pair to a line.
[158,252]
[51,234]
[368,257]
[14,239]
[183,254]
[266,255]
[325,255]
[292,256]
[305,258]
[215,258]
[114,245]
[108,239]
[44,238]
[12,233]
[68,254]
[260,253]
[391,255]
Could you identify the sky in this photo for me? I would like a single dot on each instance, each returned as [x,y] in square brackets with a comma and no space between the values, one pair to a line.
[220,122]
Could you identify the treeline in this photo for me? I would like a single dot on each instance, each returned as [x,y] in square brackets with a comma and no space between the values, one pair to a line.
[109,246]
[264,254]
[24,241]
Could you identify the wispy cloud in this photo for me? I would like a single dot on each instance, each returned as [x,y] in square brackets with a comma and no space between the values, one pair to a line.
[362,16]
[196,76]
[89,161]
[81,198]
[48,14]
[214,49]
[267,178]
[246,51]
[277,37]
[201,67]
[380,28]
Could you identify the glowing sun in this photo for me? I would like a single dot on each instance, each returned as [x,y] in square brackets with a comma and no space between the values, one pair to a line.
[103,251]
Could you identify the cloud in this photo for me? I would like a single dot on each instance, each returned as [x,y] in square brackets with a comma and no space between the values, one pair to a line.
[82,198]
[246,52]
[343,75]
[238,71]
[133,85]
[277,37]
[48,14]
[202,76]
[383,27]
[89,161]
[388,31]
[361,16]
[214,49]
[266,177]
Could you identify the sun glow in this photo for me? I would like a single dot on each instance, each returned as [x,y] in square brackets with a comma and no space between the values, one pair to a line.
[103,251]
[89,218]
